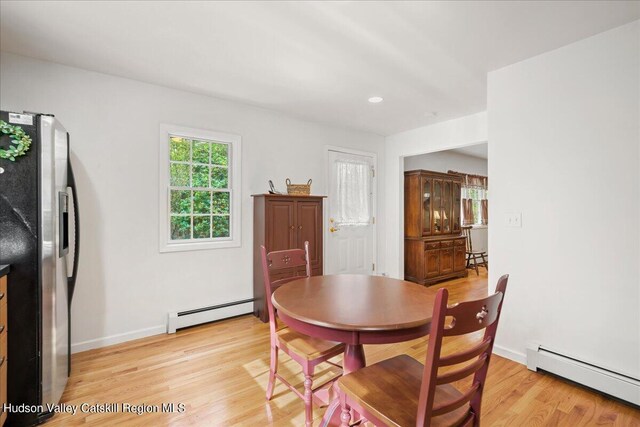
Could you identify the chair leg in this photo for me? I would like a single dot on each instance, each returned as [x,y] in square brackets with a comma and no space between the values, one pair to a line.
[273,368]
[345,414]
[308,396]
[475,264]
[486,264]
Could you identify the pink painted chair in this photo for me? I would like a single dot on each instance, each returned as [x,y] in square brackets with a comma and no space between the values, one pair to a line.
[307,351]
[402,392]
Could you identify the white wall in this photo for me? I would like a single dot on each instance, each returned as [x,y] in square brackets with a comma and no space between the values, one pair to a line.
[444,161]
[565,152]
[125,286]
[468,130]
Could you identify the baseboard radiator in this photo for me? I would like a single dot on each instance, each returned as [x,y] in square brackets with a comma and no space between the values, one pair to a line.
[182,319]
[612,383]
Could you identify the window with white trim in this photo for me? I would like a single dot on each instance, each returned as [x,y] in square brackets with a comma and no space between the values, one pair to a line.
[199,189]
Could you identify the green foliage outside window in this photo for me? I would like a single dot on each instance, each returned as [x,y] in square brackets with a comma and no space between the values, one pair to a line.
[200,197]
[179,175]
[200,176]
[180,227]
[221,226]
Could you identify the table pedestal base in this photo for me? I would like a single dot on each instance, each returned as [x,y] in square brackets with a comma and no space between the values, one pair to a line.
[353,360]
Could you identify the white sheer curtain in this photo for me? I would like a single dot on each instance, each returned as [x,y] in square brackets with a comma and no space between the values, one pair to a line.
[353,192]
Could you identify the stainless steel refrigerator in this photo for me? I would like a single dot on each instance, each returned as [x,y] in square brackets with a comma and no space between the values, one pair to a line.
[39,238]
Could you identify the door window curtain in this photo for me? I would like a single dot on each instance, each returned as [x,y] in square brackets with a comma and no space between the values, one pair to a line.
[475,199]
[353,193]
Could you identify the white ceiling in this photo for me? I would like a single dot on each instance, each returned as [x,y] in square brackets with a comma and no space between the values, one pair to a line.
[480,151]
[315,60]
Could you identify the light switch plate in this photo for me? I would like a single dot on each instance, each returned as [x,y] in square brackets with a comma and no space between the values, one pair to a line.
[513,219]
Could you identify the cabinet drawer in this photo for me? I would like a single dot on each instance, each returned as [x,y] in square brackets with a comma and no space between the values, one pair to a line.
[460,242]
[431,245]
[446,243]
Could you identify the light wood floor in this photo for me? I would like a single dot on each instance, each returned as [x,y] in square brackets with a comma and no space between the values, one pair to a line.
[219,371]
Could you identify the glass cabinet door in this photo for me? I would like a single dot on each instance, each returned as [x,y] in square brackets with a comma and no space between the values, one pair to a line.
[437,206]
[426,206]
[457,195]
[446,207]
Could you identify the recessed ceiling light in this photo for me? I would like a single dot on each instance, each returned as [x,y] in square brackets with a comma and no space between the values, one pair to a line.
[375,99]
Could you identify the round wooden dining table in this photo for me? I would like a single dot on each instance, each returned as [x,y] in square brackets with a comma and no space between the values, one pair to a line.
[355,310]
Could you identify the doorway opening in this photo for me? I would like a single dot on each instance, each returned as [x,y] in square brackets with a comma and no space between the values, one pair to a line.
[445,214]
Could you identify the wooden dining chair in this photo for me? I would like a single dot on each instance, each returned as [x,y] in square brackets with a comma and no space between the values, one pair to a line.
[478,257]
[307,351]
[402,392]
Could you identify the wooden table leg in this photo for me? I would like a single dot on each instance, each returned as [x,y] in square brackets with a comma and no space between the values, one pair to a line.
[353,360]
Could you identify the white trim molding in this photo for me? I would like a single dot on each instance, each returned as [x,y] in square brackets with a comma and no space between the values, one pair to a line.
[510,354]
[235,188]
[117,338]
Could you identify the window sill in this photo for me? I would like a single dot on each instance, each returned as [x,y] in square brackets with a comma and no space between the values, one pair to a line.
[198,246]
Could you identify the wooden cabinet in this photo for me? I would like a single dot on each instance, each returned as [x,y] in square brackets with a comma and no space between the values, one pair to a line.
[285,222]
[3,348]
[434,245]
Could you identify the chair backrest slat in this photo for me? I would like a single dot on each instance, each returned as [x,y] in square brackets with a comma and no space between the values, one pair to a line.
[278,260]
[286,259]
[464,320]
[466,231]
[461,373]
[463,356]
[455,404]
[467,317]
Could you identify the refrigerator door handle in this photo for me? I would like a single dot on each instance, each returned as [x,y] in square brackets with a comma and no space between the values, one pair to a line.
[63,227]
[71,182]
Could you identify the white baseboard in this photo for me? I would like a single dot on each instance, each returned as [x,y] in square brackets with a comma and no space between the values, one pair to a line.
[510,354]
[117,338]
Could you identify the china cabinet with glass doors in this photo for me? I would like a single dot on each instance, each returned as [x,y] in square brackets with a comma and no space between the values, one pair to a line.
[434,244]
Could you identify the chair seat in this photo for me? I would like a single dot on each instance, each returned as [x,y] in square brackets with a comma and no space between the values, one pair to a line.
[308,347]
[390,390]
[477,252]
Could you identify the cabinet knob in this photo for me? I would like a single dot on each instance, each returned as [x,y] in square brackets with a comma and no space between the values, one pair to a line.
[292,227]
[1,295]
[299,227]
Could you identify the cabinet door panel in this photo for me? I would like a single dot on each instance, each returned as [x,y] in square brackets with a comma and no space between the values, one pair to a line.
[459,258]
[426,206]
[432,263]
[309,228]
[436,227]
[446,206]
[446,261]
[280,226]
[457,195]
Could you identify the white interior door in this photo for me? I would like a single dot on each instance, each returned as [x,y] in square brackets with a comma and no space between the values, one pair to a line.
[350,239]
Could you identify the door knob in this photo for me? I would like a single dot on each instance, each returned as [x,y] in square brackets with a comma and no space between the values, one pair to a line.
[333,229]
